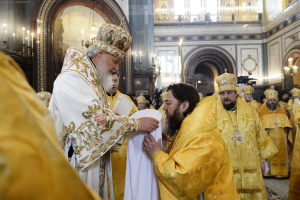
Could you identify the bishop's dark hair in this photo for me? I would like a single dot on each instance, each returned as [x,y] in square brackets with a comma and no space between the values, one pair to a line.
[185,92]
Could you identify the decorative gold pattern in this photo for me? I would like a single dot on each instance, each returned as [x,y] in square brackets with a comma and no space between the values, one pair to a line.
[272,94]
[255,64]
[114,40]
[227,81]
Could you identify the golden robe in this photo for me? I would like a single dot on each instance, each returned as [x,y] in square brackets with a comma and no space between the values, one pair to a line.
[278,163]
[162,111]
[197,160]
[289,107]
[118,158]
[257,146]
[253,104]
[151,107]
[283,107]
[294,191]
[33,165]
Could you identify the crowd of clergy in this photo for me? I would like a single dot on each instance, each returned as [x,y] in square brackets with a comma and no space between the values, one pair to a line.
[215,147]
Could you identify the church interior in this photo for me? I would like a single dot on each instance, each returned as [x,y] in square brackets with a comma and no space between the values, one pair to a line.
[173,41]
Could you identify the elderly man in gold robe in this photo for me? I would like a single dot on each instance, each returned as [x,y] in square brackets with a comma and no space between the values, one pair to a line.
[294,191]
[86,127]
[276,124]
[247,90]
[196,163]
[141,101]
[33,165]
[247,141]
[118,156]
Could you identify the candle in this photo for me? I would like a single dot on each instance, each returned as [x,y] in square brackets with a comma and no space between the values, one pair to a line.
[140,57]
[4,26]
[32,40]
[81,34]
[90,38]
[28,38]
[23,35]
[14,39]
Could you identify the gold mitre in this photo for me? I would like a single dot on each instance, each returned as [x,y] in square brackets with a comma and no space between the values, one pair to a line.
[247,89]
[114,40]
[45,97]
[163,96]
[295,92]
[226,82]
[141,99]
[271,94]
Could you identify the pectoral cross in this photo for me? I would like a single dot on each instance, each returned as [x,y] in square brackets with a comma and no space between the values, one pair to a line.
[237,135]
[276,124]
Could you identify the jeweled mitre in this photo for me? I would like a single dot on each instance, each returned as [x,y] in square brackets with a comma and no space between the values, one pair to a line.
[295,92]
[227,82]
[114,40]
[247,89]
[272,94]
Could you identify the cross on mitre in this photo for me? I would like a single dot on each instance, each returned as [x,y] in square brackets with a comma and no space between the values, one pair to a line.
[225,70]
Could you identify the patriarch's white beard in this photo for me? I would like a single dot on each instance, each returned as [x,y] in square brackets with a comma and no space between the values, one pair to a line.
[104,76]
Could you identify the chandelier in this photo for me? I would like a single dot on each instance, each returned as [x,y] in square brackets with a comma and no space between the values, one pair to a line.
[91,32]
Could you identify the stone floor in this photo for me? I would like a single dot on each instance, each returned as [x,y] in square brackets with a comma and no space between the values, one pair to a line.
[277,188]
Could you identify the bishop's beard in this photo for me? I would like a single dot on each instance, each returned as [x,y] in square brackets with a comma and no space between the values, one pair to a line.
[172,123]
[229,106]
[272,106]
[104,76]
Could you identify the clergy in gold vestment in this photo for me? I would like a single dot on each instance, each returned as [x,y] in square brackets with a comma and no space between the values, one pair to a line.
[118,157]
[33,165]
[283,100]
[247,90]
[196,163]
[86,127]
[275,121]
[294,192]
[247,141]
[148,102]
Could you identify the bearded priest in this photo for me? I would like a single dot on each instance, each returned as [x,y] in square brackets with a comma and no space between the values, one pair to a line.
[247,90]
[247,141]
[196,163]
[276,124]
[85,125]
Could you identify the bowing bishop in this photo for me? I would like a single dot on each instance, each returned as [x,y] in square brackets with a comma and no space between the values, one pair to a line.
[85,125]
[195,163]
[276,124]
[247,141]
